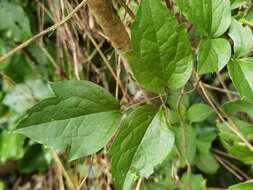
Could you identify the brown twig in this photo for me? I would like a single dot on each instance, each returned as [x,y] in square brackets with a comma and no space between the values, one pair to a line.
[110,23]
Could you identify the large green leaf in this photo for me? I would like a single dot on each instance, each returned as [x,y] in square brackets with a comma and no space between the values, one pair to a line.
[13,20]
[242,38]
[144,142]
[82,116]
[241,73]
[210,17]
[242,186]
[161,55]
[213,55]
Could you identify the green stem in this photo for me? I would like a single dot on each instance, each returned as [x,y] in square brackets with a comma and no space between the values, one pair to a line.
[247,22]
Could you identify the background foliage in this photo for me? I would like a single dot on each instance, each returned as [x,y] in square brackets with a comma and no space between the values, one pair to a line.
[173,113]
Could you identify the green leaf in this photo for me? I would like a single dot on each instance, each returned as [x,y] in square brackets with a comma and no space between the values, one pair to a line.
[242,186]
[161,55]
[186,142]
[249,15]
[144,142]
[213,55]
[238,106]
[1,185]
[20,68]
[206,163]
[154,186]
[241,73]
[210,17]
[205,140]
[83,117]
[237,3]
[245,128]
[239,150]
[4,48]
[14,21]
[40,161]
[172,101]
[11,146]
[191,181]
[199,112]
[242,38]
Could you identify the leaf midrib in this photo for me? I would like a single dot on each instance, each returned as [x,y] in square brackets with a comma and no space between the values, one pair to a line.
[84,115]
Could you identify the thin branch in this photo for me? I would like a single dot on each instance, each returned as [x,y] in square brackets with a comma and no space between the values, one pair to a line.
[37,36]
[138,186]
[228,167]
[127,9]
[220,89]
[65,173]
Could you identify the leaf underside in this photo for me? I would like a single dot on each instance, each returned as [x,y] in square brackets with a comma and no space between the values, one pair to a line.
[82,117]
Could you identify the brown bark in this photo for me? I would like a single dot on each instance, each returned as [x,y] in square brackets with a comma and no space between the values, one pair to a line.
[110,23]
[8,168]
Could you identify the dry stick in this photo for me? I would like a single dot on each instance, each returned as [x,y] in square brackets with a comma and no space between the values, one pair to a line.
[224,154]
[37,36]
[228,167]
[50,58]
[107,63]
[237,169]
[65,173]
[220,89]
[118,70]
[138,186]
